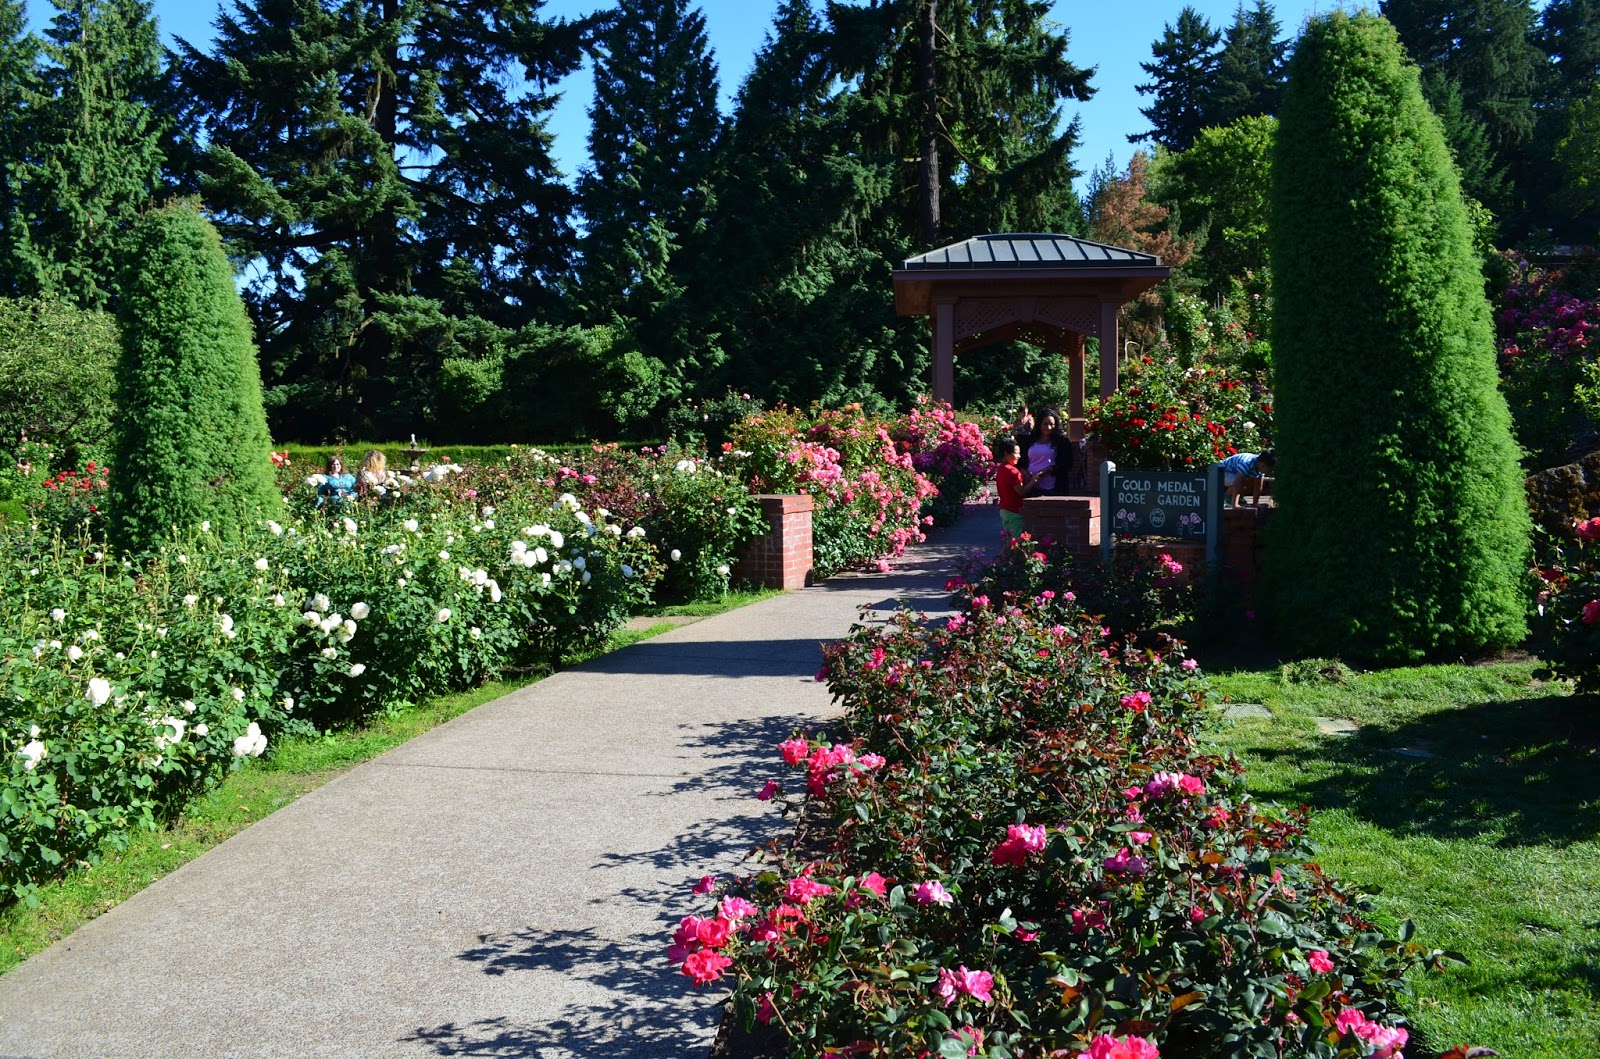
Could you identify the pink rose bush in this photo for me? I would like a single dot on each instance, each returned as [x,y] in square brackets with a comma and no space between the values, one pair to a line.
[1033,869]
[949,450]
[1566,622]
[869,494]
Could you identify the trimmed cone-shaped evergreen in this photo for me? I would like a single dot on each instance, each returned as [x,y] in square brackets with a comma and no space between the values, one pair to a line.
[192,440]
[1402,531]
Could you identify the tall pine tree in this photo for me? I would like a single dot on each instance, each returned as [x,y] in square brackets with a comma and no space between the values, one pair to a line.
[1184,64]
[92,156]
[644,197]
[385,165]
[19,57]
[1249,78]
[1388,402]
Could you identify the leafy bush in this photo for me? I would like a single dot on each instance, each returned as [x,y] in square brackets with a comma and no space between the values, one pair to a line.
[950,450]
[192,439]
[1566,626]
[1549,361]
[868,495]
[1383,352]
[125,690]
[59,366]
[710,422]
[1026,852]
[1135,594]
[1172,417]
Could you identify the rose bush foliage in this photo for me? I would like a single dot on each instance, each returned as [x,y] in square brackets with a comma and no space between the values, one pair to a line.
[950,450]
[1026,850]
[1170,416]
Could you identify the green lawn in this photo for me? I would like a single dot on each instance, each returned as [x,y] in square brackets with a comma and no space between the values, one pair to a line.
[1469,797]
[293,768]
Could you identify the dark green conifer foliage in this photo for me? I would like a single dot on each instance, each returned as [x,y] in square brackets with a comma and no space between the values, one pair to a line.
[1249,68]
[19,57]
[93,155]
[645,195]
[387,162]
[191,441]
[1402,530]
[1185,63]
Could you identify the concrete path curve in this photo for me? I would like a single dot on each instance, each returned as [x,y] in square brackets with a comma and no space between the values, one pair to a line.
[501,886]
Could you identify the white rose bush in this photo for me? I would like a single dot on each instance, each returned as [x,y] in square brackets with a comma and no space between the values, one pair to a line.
[125,691]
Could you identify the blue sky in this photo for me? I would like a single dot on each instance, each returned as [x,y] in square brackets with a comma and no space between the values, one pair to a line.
[1112,36]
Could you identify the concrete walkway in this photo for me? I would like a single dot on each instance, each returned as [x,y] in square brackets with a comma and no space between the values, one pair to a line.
[501,886]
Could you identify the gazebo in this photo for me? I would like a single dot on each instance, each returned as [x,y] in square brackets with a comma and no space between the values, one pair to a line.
[1051,291]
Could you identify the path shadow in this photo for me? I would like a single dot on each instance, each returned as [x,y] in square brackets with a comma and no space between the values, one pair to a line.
[621,1001]
[1516,773]
[759,658]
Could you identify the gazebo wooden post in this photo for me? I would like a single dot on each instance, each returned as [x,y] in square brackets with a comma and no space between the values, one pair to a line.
[944,350]
[1109,342]
[1076,421]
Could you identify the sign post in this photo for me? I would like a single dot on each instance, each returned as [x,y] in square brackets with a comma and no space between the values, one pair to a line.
[1179,505]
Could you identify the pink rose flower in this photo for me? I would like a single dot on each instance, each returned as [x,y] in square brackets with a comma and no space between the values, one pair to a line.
[1136,702]
[767,1011]
[705,966]
[1591,612]
[735,909]
[714,933]
[875,882]
[1126,863]
[954,984]
[930,893]
[706,884]
[769,792]
[1190,664]
[1108,1047]
[1318,959]
[802,891]
[794,751]
[1139,838]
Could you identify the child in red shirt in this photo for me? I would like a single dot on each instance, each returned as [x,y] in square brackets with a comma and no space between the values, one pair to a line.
[1010,481]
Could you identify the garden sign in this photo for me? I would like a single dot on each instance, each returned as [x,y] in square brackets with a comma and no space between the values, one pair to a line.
[1178,505]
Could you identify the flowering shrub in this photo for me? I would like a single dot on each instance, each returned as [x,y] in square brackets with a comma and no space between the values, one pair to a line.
[1566,627]
[124,691]
[1136,594]
[1549,360]
[1166,416]
[72,500]
[952,452]
[1025,851]
[868,494]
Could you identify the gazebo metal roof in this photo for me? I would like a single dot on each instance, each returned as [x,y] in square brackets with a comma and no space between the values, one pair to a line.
[1027,251]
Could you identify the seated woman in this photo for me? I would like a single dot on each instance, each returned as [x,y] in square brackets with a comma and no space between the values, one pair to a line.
[337,485]
[373,480]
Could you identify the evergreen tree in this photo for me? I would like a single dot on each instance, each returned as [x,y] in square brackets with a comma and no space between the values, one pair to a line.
[1388,407]
[191,442]
[1221,187]
[19,57]
[1485,48]
[1481,177]
[92,156]
[1185,62]
[1249,68]
[644,197]
[387,166]
[1569,35]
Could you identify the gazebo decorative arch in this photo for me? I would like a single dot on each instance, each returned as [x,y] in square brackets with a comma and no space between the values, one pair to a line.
[1051,291]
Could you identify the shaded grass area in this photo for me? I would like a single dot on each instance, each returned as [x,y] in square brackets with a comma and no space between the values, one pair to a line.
[1468,797]
[293,768]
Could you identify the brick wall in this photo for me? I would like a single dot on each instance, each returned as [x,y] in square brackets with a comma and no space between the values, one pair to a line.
[1072,520]
[781,557]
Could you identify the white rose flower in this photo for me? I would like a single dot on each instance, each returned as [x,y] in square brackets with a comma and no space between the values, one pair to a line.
[444,555]
[32,754]
[487,510]
[288,703]
[99,691]
[225,623]
[205,526]
[190,600]
[401,582]
[55,645]
[251,744]
[357,669]
[238,694]
[321,603]
[636,533]
[58,615]
[540,555]
[350,526]
[443,615]
[74,652]
[675,555]
[91,634]
[202,731]
[182,558]
[518,546]
[614,529]
[360,611]
[475,632]
[33,731]
[188,707]
[330,653]
[544,579]
[273,528]
[410,524]
[488,523]
[278,600]
[311,617]
[723,570]
[495,594]
[480,577]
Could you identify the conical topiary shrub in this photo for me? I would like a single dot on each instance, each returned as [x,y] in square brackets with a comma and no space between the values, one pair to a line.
[192,441]
[1402,529]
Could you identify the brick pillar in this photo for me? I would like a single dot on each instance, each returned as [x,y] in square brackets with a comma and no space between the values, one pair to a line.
[1242,551]
[1094,454]
[1068,519]
[781,557]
